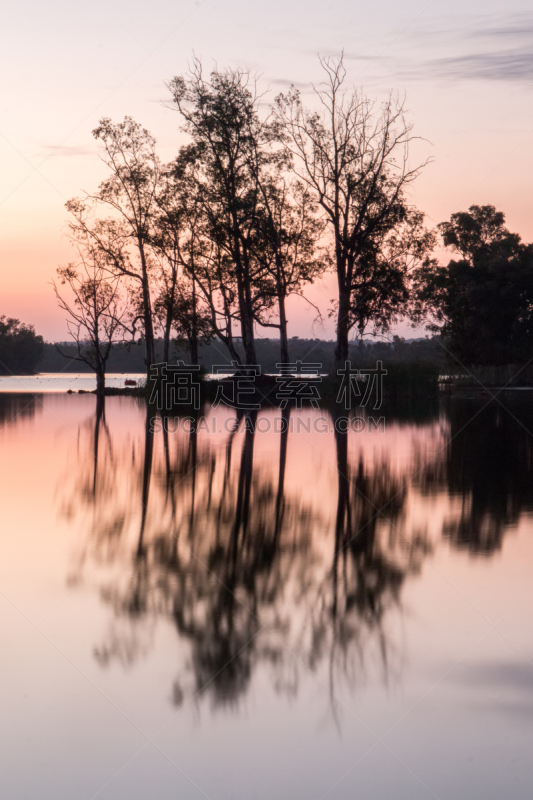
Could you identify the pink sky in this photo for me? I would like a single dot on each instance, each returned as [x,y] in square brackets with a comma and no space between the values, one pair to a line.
[467,79]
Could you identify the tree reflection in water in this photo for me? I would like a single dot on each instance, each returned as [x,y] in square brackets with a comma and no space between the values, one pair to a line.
[16,407]
[248,570]
[488,464]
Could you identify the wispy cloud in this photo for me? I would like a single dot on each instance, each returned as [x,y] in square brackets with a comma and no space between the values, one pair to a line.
[285,83]
[511,65]
[517,26]
[51,150]
[492,48]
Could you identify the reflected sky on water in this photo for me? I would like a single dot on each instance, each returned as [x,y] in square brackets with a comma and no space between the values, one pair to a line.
[228,614]
[60,382]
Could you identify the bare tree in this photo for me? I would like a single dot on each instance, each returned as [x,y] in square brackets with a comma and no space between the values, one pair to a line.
[354,157]
[95,311]
[129,195]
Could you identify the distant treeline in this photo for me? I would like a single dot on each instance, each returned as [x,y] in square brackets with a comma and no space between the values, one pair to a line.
[21,350]
[130,358]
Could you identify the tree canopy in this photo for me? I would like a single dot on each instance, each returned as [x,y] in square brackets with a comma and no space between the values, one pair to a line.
[482,302]
[21,348]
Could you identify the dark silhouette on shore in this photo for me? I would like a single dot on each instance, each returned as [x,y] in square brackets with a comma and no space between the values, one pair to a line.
[21,349]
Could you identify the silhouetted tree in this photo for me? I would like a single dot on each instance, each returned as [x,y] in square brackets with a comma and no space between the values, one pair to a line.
[221,117]
[20,347]
[481,304]
[355,159]
[95,311]
[180,245]
[129,195]
[286,245]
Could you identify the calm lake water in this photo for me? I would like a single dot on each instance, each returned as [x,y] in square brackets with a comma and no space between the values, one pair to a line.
[51,382]
[239,616]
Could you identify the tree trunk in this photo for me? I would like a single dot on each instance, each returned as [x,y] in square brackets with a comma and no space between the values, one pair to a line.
[343,328]
[193,349]
[166,334]
[193,342]
[171,304]
[248,341]
[283,339]
[100,381]
[246,312]
[147,312]
[148,333]
[247,326]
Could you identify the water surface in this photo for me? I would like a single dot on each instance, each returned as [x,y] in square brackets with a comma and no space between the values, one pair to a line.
[224,614]
[51,382]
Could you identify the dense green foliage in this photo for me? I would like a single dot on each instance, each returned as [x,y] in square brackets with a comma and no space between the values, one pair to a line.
[21,349]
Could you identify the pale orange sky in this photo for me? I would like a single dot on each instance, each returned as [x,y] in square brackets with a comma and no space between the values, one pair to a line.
[467,73]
